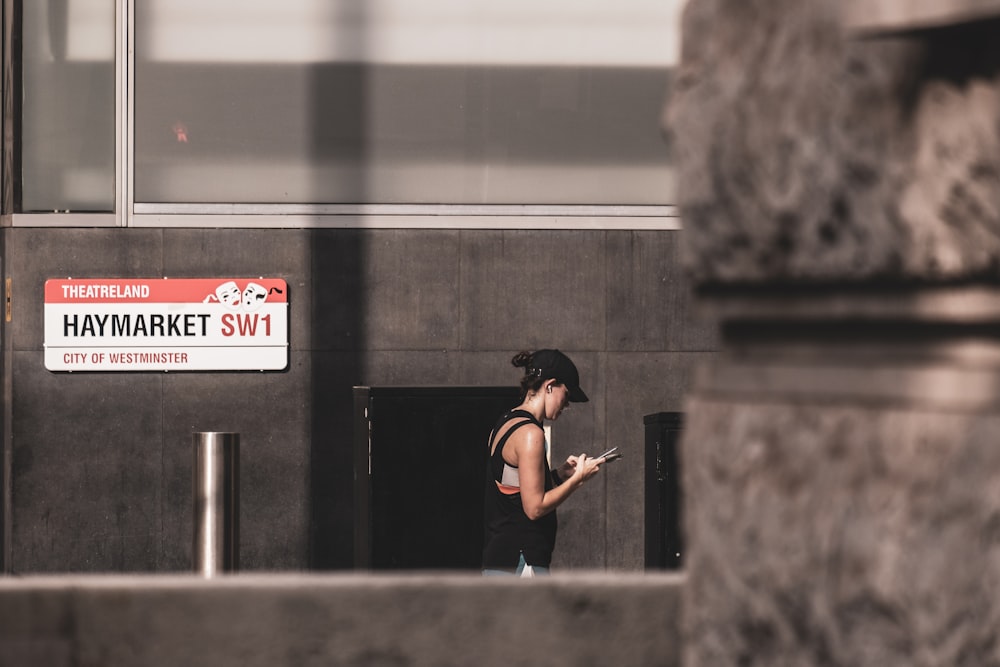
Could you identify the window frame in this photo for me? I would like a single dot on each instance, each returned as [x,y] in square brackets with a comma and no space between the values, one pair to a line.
[129,213]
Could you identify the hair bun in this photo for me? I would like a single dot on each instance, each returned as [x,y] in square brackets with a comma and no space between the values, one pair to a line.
[521,360]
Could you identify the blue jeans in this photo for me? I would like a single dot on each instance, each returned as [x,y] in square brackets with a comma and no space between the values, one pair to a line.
[521,564]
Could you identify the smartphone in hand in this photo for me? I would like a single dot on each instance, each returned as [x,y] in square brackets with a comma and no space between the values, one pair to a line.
[611,455]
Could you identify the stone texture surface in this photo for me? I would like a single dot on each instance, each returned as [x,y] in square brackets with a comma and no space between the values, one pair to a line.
[841,203]
[900,15]
[841,535]
[580,621]
[840,494]
[805,154]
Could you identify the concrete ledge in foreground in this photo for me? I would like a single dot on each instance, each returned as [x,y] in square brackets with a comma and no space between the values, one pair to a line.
[300,620]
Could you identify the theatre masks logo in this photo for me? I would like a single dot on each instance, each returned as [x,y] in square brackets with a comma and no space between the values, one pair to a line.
[233,298]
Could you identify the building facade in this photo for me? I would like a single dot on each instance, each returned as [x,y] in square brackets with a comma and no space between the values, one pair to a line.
[438,190]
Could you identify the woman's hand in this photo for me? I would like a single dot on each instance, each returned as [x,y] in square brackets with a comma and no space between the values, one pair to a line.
[586,467]
[566,470]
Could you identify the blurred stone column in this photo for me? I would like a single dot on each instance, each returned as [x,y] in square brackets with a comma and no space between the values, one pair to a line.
[840,190]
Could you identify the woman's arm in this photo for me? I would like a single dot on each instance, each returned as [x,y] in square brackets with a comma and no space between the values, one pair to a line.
[532,468]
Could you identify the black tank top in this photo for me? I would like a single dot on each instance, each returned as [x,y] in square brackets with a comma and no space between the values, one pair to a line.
[509,531]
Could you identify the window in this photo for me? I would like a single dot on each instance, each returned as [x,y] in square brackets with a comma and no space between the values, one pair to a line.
[322,107]
[68,106]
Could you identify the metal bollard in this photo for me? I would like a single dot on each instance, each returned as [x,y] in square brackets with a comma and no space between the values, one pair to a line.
[216,476]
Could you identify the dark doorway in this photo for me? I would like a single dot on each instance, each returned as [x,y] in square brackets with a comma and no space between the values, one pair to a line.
[420,462]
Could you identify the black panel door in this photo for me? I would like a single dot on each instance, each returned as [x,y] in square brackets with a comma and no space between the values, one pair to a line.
[420,468]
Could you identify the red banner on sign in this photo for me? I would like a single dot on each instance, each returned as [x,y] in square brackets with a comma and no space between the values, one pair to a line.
[163,290]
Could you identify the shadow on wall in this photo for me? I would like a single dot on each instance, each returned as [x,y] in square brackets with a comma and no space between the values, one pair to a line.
[338,121]
[5,439]
[337,333]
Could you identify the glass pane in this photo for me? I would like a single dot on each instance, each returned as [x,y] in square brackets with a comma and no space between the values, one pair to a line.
[68,112]
[442,101]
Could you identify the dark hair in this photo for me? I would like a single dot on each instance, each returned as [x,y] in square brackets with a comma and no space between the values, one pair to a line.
[532,380]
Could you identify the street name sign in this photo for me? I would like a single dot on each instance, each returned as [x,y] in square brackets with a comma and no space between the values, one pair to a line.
[166,324]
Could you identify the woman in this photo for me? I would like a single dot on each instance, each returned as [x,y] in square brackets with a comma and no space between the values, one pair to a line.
[521,492]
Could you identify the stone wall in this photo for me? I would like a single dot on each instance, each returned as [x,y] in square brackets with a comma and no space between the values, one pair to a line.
[811,154]
[840,187]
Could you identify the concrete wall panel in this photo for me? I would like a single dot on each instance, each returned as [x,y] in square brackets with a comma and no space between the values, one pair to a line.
[411,300]
[650,304]
[421,367]
[335,287]
[86,469]
[375,307]
[524,290]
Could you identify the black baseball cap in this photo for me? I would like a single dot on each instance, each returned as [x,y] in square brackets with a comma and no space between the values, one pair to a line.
[556,365]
